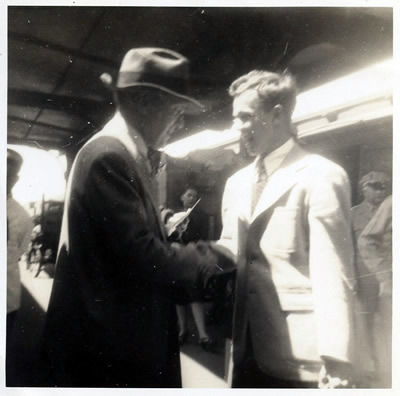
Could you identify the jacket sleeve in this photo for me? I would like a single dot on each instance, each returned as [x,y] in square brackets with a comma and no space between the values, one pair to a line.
[371,242]
[119,212]
[331,264]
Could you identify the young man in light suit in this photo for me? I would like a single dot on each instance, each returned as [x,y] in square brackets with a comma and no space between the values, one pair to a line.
[286,220]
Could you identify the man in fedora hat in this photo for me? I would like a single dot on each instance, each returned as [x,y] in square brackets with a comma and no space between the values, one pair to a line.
[111,319]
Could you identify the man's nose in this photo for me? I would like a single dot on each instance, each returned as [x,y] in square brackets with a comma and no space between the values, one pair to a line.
[239,125]
[246,132]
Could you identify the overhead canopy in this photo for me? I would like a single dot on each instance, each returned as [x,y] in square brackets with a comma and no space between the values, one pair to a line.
[57,54]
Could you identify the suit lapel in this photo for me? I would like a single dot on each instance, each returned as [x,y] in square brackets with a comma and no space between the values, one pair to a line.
[244,196]
[281,180]
[144,173]
[142,165]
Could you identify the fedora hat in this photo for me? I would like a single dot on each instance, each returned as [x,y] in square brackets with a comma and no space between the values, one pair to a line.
[158,68]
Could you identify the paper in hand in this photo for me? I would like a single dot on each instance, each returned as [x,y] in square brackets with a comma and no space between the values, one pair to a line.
[179,218]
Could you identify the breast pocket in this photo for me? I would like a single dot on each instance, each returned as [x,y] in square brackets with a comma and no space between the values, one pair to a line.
[281,232]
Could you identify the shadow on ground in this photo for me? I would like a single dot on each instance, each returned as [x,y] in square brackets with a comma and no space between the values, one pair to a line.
[219,328]
[24,366]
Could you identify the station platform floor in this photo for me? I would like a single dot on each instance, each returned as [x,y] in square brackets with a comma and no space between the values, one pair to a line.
[200,368]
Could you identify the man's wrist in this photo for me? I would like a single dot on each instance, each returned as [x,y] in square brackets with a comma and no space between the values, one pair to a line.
[337,368]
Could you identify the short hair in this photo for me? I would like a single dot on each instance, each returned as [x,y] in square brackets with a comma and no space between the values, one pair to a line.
[272,88]
[190,188]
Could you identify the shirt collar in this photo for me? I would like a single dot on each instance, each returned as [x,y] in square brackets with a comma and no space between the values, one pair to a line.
[135,136]
[139,141]
[274,159]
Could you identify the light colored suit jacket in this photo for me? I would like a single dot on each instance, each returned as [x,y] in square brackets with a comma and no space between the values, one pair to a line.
[295,275]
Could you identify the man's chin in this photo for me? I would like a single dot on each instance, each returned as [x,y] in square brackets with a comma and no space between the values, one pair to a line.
[250,151]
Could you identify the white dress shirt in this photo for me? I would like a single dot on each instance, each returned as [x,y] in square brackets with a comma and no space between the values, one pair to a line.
[274,159]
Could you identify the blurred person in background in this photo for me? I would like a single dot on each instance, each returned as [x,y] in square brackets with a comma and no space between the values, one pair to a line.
[374,188]
[195,230]
[375,247]
[19,228]
[111,320]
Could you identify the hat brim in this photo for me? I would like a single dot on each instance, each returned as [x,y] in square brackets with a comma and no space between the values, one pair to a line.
[190,105]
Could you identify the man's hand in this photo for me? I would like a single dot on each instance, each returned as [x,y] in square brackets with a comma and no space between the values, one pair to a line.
[218,271]
[335,375]
[223,264]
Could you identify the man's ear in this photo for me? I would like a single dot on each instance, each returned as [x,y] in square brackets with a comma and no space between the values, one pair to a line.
[277,113]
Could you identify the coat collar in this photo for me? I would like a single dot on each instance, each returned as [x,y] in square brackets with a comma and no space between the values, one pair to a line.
[133,141]
[118,128]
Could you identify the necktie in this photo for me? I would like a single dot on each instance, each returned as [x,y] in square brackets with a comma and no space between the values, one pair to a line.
[259,181]
[153,161]
[154,158]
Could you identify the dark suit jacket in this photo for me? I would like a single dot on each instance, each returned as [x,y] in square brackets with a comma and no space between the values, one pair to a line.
[111,317]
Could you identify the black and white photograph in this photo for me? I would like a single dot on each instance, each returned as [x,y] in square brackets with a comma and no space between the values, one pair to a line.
[198,196]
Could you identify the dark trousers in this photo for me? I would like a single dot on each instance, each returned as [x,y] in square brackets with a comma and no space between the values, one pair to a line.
[247,374]
[11,318]
[10,346]
[383,338]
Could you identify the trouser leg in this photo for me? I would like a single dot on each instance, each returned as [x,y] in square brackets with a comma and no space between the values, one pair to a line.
[383,341]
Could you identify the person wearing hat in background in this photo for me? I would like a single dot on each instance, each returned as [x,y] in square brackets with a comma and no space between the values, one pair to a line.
[374,188]
[111,320]
[19,228]
[375,245]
